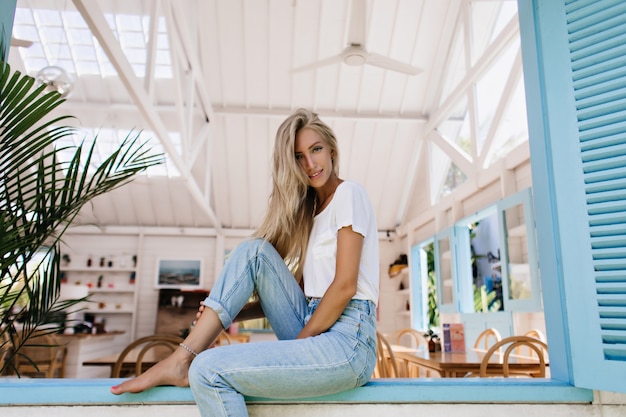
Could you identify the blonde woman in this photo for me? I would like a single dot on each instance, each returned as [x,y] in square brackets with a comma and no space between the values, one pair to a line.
[315,268]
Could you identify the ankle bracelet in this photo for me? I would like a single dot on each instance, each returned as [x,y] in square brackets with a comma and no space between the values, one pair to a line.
[188,349]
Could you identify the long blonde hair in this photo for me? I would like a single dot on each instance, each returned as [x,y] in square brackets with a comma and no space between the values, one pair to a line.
[289,217]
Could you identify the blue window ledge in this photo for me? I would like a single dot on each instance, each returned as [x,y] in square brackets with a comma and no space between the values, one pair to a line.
[471,390]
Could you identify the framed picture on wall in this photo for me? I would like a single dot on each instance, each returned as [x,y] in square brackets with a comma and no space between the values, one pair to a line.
[179,273]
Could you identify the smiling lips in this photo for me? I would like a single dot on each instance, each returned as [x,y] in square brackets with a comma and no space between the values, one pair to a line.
[316,175]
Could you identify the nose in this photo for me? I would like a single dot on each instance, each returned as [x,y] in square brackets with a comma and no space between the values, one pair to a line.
[307,161]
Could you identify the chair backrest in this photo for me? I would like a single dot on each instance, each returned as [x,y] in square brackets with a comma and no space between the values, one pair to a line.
[41,355]
[486,339]
[5,347]
[510,345]
[142,346]
[414,338]
[537,334]
[386,365]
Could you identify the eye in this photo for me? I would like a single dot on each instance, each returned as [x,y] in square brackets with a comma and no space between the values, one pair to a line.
[298,156]
[317,148]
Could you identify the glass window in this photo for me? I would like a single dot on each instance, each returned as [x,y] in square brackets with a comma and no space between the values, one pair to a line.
[484,238]
[444,271]
[520,268]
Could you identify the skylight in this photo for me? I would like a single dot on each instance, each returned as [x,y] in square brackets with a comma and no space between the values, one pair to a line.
[62,38]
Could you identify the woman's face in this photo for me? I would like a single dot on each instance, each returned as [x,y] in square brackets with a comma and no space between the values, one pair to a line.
[314,157]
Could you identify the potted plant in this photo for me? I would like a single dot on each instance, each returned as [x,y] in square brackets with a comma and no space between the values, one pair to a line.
[40,195]
[434,343]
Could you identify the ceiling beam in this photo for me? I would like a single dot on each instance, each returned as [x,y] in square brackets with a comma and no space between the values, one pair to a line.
[181,24]
[323,113]
[170,110]
[503,106]
[152,47]
[100,29]
[492,52]
[456,154]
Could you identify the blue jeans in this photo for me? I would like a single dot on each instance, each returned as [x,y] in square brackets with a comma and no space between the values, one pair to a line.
[341,358]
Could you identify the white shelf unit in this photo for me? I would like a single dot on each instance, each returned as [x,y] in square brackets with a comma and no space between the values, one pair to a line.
[115,295]
[107,267]
[404,297]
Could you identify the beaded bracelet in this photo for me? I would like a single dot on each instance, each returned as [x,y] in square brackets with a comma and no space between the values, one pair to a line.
[188,349]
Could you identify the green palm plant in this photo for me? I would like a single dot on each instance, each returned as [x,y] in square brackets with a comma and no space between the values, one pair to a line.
[40,195]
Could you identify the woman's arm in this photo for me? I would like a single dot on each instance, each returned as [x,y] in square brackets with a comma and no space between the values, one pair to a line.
[343,287]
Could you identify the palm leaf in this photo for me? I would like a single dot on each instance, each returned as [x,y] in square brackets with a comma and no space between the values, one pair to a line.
[41,194]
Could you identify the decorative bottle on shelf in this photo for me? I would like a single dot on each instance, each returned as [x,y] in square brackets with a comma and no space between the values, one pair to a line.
[89,262]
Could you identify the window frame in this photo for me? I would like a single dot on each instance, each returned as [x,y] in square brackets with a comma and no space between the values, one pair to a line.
[460,258]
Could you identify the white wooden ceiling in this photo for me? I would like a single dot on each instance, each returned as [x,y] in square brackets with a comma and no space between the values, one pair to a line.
[233,82]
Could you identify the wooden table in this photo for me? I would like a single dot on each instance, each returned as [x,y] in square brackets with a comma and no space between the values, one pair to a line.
[459,364]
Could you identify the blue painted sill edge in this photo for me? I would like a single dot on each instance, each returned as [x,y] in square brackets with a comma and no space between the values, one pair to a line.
[15,391]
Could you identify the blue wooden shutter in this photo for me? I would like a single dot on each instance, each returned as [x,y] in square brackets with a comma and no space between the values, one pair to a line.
[575,72]
[597,36]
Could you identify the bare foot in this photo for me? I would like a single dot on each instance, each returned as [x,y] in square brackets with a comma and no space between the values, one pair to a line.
[170,371]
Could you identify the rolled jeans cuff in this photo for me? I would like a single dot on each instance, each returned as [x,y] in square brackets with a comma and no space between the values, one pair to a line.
[221,312]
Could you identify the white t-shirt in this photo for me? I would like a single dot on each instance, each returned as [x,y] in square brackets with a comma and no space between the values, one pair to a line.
[350,206]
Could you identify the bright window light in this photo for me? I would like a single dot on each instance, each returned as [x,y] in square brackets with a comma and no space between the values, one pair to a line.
[108,140]
[70,45]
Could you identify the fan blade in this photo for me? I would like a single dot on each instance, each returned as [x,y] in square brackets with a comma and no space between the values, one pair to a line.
[317,64]
[391,64]
[356,31]
[21,43]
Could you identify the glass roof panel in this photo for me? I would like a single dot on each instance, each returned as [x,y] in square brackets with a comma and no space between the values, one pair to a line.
[70,44]
[456,68]
[513,130]
[489,91]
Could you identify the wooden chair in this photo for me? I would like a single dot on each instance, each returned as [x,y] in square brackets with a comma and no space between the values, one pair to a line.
[537,334]
[159,346]
[510,345]
[386,365]
[5,347]
[487,338]
[42,355]
[409,337]
[413,339]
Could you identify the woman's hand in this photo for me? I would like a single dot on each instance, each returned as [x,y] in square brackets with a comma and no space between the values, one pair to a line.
[199,313]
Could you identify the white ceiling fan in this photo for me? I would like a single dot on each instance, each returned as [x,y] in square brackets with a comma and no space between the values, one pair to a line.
[356,53]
